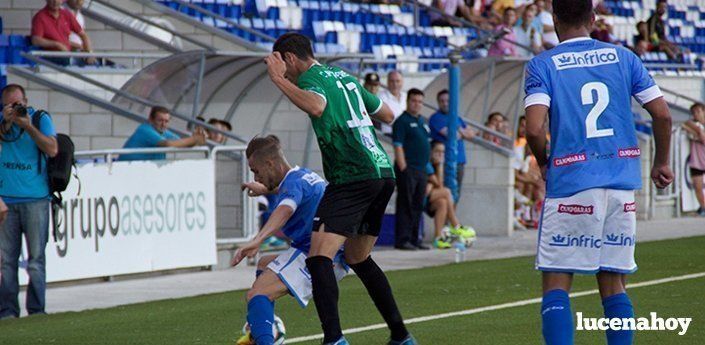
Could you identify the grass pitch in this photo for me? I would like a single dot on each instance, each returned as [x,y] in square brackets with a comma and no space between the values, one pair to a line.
[217,319]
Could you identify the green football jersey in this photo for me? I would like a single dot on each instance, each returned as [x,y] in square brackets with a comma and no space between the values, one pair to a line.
[345,134]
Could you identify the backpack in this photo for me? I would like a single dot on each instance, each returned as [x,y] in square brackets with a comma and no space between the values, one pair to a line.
[59,168]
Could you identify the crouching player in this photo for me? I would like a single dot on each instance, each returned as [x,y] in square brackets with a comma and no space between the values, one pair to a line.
[298,193]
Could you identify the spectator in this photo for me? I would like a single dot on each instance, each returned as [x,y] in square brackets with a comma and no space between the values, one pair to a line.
[450,8]
[393,97]
[412,151]
[642,44]
[222,125]
[500,6]
[545,17]
[439,203]
[25,190]
[657,32]
[51,27]
[503,47]
[439,131]
[498,123]
[155,133]
[602,31]
[75,6]
[372,83]
[527,34]
[696,133]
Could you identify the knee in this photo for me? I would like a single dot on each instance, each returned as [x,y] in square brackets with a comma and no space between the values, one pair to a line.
[262,265]
[353,259]
[447,193]
[254,291]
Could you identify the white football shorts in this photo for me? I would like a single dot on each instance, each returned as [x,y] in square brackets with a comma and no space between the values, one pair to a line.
[290,266]
[591,231]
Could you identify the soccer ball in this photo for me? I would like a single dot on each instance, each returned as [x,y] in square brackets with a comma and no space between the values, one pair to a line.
[278,330]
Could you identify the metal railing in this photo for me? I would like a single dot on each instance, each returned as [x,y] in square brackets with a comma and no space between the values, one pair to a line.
[138,60]
[248,205]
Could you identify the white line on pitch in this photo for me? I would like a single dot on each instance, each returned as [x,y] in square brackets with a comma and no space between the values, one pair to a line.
[493,307]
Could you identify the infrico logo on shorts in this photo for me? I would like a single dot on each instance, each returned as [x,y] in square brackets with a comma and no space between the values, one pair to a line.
[575,209]
[590,58]
[630,207]
[568,160]
[629,153]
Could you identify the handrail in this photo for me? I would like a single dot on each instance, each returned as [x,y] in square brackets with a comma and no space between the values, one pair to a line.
[679,95]
[90,153]
[108,54]
[147,21]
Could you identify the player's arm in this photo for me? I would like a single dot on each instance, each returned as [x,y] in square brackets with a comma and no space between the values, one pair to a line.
[276,221]
[661,172]
[377,109]
[311,103]
[536,132]
[255,189]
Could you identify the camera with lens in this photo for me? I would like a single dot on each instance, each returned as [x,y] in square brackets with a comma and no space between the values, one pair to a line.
[19,109]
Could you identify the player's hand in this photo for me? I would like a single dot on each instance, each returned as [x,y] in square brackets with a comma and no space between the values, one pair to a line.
[275,65]
[662,176]
[254,188]
[248,251]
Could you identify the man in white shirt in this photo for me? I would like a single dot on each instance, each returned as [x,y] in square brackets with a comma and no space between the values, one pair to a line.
[550,38]
[76,42]
[393,97]
[527,34]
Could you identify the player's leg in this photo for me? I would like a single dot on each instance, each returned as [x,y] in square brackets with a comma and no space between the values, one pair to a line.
[617,259]
[556,315]
[262,264]
[357,255]
[324,246]
[260,306]
[569,242]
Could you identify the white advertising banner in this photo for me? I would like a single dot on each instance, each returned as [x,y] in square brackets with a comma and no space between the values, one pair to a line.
[689,202]
[133,217]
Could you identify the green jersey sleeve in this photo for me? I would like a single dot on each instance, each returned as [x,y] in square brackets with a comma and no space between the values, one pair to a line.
[314,85]
[372,103]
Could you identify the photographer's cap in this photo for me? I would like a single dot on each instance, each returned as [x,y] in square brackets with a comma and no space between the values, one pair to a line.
[372,78]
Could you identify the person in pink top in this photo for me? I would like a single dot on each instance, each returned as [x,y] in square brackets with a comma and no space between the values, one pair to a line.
[696,132]
[502,47]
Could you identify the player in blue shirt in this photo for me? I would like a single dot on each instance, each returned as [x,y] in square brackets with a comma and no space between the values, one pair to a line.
[298,193]
[589,216]
[156,133]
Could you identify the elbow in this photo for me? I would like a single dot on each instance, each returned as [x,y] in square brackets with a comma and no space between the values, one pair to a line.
[316,112]
[387,118]
[53,151]
[533,133]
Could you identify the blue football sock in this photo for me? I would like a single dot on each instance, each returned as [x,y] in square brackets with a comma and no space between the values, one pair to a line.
[260,316]
[619,306]
[557,318]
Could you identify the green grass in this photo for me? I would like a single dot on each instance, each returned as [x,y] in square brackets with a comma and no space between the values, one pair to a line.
[216,319]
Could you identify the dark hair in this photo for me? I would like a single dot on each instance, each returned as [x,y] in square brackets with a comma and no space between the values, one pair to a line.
[435,143]
[441,93]
[294,43]
[573,12]
[264,147]
[509,9]
[697,105]
[496,113]
[11,88]
[157,109]
[661,2]
[414,92]
[226,124]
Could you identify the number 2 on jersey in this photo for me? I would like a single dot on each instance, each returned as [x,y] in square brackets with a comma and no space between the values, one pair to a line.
[355,122]
[601,103]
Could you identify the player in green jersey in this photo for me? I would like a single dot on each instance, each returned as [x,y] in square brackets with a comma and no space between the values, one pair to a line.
[360,173]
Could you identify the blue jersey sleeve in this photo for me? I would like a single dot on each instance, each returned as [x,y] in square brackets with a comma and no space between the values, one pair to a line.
[644,88]
[537,86]
[291,193]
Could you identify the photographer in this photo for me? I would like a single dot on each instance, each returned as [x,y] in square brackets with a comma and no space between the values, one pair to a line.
[24,188]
